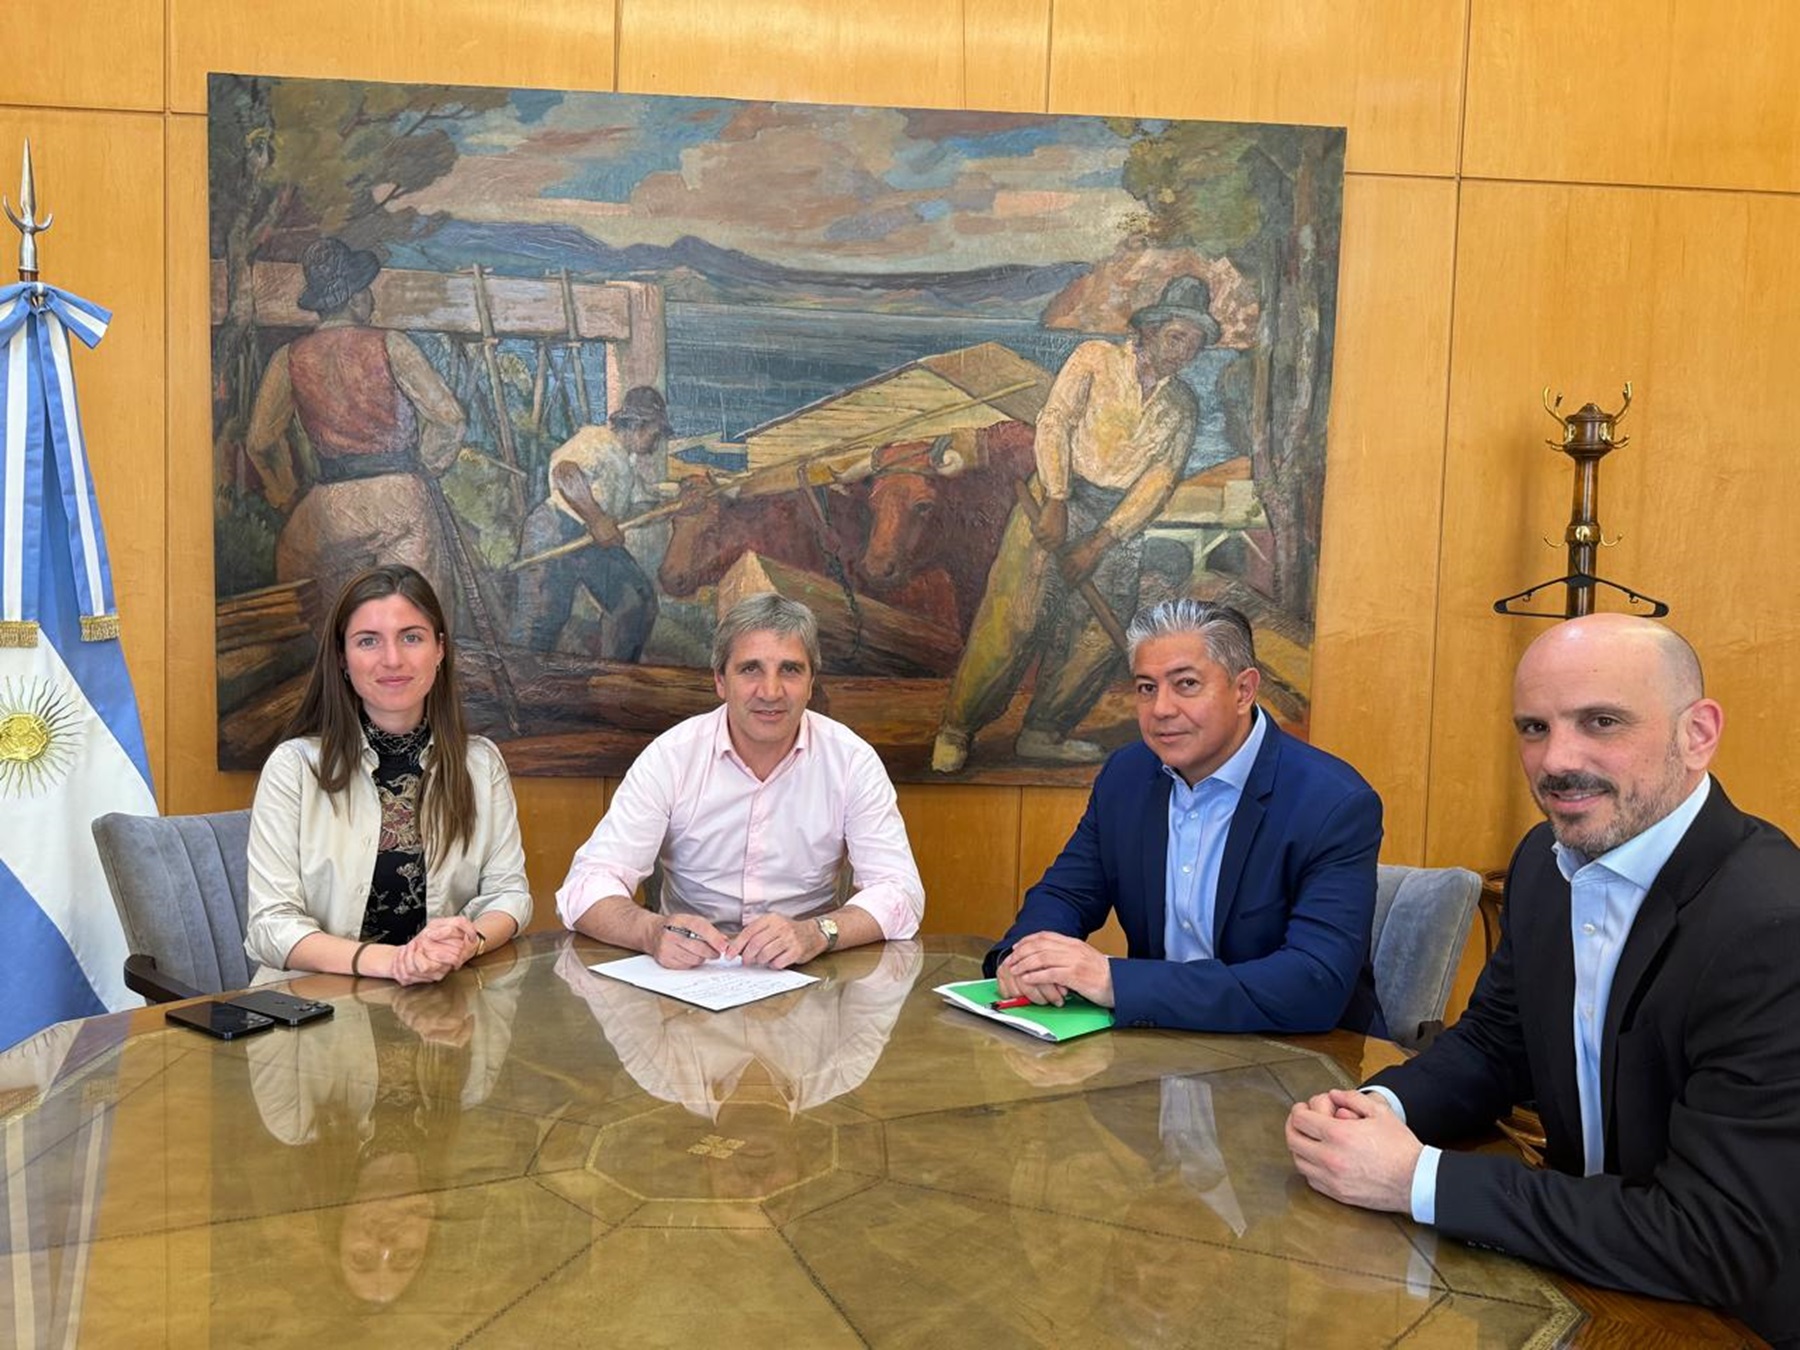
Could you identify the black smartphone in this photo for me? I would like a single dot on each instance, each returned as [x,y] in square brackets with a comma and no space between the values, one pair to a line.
[220,1019]
[287,1009]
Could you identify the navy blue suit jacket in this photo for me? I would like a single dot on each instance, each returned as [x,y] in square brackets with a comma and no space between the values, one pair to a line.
[1294,907]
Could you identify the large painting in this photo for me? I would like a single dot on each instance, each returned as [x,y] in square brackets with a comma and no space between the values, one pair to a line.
[975,386]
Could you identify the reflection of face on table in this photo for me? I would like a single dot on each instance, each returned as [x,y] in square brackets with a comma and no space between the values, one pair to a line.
[371,1099]
[387,1228]
[746,1078]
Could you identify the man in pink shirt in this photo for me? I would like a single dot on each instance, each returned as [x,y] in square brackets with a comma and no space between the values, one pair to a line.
[751,810]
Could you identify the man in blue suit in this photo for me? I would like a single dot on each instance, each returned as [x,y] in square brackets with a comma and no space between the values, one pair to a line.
[1240,861]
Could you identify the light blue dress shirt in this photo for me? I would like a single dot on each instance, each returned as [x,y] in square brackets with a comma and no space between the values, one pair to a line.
[1605,894]
[1199,821]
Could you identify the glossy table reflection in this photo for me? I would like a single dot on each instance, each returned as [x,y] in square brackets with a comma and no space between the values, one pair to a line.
[532,1154]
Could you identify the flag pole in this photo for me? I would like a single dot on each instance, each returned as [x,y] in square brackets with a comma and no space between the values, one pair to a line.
[30,227]
[71,740]
[15,631]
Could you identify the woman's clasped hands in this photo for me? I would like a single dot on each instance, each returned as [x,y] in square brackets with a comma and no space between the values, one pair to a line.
[441,946]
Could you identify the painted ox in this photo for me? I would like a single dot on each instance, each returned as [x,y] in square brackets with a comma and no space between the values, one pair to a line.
[934,528]
[713,531]
[919,532]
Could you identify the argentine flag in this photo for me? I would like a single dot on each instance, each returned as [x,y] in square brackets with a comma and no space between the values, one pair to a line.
[71,745]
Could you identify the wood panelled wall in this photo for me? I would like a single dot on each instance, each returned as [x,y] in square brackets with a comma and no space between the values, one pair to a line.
[1539,194]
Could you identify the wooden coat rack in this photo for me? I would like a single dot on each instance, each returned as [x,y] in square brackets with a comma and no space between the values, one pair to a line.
[1588,435]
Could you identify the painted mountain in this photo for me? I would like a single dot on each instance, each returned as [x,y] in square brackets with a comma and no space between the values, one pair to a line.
[692,270]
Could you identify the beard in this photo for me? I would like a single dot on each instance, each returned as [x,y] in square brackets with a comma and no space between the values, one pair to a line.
[1633,810]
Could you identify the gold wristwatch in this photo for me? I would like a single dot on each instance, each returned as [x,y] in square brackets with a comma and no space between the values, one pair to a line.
[829,928]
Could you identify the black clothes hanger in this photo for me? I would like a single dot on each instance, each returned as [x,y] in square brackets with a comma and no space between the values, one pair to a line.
[1588,435]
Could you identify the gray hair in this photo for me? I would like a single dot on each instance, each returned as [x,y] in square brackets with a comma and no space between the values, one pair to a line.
[1224,630]
[765,613]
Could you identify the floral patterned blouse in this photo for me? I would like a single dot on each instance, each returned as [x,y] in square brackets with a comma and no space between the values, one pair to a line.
[396,908]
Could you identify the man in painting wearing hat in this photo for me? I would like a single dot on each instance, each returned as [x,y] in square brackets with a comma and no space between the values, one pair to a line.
[1111,443]
[377,418]
[600,477]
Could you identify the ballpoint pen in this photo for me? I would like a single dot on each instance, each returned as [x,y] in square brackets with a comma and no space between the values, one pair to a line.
[1001,1004]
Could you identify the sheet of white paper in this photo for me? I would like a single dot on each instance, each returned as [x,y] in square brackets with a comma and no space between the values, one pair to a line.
[951,996]
[719,984]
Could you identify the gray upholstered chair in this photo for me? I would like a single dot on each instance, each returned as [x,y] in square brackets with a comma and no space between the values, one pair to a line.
[180,884]
[1422,918]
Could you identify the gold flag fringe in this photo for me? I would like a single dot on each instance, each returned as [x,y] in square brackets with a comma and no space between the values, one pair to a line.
[99,627]
[18,633]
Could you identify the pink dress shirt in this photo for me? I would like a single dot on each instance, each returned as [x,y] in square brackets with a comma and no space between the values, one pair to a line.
[733,847]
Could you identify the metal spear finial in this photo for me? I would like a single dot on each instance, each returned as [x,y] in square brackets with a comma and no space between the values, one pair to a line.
[31,226]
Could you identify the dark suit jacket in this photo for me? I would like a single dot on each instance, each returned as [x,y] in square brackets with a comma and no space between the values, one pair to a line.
[1295,904]
[1700,1079]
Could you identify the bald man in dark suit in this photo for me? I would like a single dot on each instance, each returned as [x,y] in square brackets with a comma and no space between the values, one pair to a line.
[1644,993]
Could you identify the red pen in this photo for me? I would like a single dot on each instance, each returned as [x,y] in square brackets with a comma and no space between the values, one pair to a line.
[1001,1004]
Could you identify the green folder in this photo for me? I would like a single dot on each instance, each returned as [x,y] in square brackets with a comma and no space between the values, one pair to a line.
[1077,1017]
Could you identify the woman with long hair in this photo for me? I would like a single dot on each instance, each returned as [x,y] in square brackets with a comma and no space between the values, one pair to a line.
[384,840]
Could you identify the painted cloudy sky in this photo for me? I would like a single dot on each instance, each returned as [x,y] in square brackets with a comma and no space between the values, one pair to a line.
[795,183]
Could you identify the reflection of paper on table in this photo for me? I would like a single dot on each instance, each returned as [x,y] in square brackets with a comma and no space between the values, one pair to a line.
[719,984]
[811,1050]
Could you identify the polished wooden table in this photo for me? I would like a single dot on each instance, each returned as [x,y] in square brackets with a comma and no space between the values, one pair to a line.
[531,1154]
